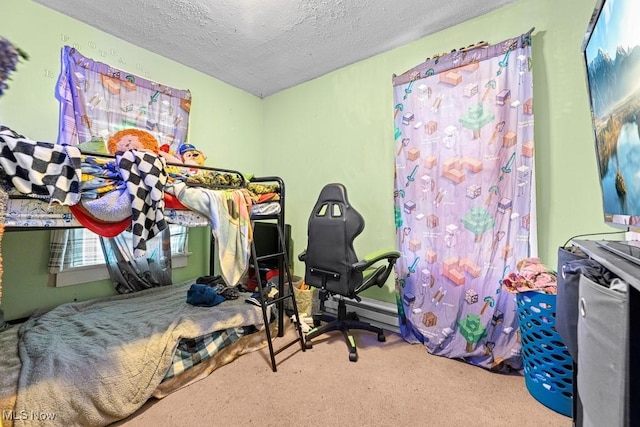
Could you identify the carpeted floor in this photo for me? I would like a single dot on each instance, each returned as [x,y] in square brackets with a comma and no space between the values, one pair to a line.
[392,383]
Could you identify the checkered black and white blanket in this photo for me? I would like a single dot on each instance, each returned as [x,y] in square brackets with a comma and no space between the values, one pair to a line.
[41,169]
[145,176]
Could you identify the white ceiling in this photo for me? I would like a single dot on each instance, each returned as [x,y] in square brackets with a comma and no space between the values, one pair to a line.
[265,46]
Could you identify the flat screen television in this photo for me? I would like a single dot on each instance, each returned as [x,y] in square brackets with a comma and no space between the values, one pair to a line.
[611,50]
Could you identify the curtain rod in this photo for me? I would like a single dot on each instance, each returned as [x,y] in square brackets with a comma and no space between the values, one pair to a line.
[470,47]
[481,45]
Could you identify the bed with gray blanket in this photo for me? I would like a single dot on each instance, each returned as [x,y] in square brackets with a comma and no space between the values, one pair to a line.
[96,362]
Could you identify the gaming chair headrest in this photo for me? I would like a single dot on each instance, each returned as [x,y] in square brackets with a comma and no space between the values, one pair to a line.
[333,225]
[337,194]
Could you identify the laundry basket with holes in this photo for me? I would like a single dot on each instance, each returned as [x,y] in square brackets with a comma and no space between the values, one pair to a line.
[548,366]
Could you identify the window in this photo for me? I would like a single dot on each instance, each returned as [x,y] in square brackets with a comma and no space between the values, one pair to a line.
[83,260]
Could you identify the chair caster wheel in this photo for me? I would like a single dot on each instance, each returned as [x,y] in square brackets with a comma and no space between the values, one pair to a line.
[381,338]
[353,357]
[308,345]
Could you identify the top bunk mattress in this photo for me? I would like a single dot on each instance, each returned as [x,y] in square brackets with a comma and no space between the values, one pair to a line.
[64,187]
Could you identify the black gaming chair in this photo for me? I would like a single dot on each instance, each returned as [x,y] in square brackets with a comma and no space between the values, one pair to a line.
[333,267]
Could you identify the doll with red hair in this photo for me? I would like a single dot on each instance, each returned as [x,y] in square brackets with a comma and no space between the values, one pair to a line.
[131,139]
[137,139]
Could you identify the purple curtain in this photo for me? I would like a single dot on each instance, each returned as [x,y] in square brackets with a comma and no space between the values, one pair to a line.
[97,100]
[464,199]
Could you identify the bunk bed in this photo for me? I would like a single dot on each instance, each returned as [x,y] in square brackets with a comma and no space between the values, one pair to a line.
[96,362]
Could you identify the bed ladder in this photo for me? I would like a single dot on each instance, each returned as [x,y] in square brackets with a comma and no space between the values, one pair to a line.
[283,280]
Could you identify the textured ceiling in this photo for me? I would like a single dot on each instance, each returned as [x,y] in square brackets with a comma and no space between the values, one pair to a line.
[265,46]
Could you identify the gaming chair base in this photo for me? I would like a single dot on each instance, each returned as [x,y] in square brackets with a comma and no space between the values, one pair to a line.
[343,323]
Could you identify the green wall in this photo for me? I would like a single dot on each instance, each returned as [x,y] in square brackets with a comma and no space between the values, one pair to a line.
[335,128]
[339,127]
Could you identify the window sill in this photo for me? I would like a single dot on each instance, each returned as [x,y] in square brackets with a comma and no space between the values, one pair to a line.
[79,275]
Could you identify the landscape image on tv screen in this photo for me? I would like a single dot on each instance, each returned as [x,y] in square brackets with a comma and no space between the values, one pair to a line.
[612,55]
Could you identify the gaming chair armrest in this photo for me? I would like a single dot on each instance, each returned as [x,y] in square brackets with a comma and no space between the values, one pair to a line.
[374,257]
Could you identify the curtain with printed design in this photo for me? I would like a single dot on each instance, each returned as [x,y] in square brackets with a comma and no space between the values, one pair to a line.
[464,199]
[97,100]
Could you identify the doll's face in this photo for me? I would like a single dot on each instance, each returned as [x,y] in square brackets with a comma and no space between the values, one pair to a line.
[193,157]
[129,142]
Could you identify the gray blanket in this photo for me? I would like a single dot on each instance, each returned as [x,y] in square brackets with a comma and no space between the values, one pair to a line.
[96,362]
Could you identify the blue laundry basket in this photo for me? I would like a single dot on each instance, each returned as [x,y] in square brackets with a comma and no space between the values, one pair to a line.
[548,366]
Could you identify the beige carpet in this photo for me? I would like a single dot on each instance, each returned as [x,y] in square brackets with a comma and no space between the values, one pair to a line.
[393,383]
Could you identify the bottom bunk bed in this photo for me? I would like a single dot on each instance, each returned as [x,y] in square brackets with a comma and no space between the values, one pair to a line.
[98,361]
